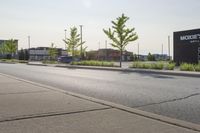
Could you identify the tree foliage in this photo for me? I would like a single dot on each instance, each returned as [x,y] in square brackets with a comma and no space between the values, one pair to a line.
[74,41]
[120,35]
[10,47]
[150,57]
[2,49]
[53,52]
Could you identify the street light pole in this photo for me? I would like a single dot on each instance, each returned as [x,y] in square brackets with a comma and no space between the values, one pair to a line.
[138,51]
[81,27]
[65,38]
[169,47]
[29,46]
[162,52]
[106,50]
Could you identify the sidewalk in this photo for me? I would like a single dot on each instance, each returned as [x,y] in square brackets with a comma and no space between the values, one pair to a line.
[27,107]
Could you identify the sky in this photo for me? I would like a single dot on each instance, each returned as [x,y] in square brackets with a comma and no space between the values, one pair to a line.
[45,21]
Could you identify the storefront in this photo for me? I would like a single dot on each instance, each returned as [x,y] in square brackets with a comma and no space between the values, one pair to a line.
[187,46]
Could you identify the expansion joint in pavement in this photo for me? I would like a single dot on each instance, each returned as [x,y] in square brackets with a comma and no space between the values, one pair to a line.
[48,114]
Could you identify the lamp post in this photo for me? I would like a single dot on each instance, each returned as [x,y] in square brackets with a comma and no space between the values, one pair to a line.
[106,50]
[169,47]
[138,51]
[65,38]
[81,27]
[29,46]
[162,52]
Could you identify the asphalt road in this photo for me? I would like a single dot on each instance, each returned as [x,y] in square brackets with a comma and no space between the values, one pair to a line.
[172,96]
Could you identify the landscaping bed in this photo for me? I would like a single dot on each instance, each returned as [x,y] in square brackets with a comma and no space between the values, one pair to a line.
[94,63]
[153,65]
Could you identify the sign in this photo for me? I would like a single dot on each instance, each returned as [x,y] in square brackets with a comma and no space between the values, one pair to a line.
[186,44]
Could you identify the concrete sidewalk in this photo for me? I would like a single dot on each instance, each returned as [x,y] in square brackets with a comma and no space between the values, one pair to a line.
[27,107]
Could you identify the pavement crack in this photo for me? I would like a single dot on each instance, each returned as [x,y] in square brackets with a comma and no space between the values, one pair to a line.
[168,101]
[48,114]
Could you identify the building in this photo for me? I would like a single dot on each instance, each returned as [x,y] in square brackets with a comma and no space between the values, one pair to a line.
[161,57]
[109,55]
[4,53]
[42,53]
[187,46]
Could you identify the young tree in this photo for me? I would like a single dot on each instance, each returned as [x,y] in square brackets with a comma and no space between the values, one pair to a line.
[21,54]
[120,34]
[26,54]
[74,41]
[11,47]
[2,49]
[150,57]
[53,52]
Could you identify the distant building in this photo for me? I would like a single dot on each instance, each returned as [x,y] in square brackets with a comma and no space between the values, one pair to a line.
[158,57]
[4,54]
[163,57]
[143,57]
[109,55]
[42,53]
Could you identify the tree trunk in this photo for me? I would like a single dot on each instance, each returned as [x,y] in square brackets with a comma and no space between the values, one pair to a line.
[121,58]
[72,54]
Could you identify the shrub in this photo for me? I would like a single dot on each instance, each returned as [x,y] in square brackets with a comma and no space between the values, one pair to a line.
[158,66]
[49,62]
[170,66]
[197,67]
[187,67]
[94,63]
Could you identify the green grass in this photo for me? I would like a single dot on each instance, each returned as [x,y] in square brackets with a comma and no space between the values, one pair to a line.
[197,67]
[187,67]
[170,66]
[94,63]
[143,65]
[49,62]
[13,61]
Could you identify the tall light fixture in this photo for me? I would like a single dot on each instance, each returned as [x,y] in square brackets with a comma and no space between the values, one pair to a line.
[81,27]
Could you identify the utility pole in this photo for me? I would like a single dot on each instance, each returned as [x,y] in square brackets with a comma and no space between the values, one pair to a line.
[138,51]
[81,27]
[162,52]
[106,50]
[29,46]
[65,38]
[169,47]
[98,50]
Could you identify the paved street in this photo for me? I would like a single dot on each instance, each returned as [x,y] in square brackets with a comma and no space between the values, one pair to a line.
[34,108]
[176,97]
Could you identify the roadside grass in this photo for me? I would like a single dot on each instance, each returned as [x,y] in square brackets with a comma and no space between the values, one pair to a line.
[190,67]
[50,62]
[94,63]
[197,67]
[13,61]
[170,66]
[153,65]
[187,67]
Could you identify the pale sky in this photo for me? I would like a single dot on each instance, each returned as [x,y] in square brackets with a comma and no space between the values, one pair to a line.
[45,20]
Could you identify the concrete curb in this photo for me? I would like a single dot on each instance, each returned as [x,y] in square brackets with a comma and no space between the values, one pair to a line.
[143,71]
[171,121]
[37,64]
[7,62]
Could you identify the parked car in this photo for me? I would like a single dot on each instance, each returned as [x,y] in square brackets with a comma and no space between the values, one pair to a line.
[65,59]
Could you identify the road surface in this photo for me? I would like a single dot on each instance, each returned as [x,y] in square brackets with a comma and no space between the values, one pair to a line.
[173,96]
